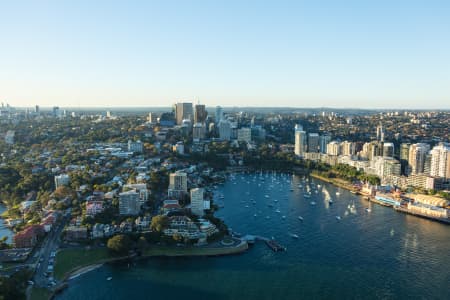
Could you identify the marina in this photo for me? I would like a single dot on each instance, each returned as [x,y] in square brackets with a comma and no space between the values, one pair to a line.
[341,249]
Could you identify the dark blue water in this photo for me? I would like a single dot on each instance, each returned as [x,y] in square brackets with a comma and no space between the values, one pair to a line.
[5,231]
[380,254]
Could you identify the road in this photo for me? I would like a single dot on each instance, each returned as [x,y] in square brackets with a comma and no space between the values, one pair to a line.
[50,244]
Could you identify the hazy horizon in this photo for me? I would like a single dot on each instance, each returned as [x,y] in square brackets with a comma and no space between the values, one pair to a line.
[299,54]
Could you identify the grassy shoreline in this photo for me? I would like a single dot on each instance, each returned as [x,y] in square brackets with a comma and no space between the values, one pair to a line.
[70,261]
[335,181]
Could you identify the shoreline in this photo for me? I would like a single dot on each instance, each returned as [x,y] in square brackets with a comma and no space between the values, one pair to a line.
[158,252]
[374,200]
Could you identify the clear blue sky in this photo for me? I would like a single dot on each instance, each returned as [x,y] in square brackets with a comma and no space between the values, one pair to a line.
[375,54]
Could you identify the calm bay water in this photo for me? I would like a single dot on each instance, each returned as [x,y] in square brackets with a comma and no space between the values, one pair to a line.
[5,231]
[379,254]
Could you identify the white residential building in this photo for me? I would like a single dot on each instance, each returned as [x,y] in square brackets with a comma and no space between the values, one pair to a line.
[129,203]
[197,204]
[440,161]
[61,180]
[300,141]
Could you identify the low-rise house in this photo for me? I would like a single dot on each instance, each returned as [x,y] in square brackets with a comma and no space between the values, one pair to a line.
[93,208]
[126,227]
[75,233]
[98,231]
[143,223]
[108,230]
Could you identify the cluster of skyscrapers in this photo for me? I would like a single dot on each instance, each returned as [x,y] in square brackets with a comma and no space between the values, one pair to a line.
[416,165]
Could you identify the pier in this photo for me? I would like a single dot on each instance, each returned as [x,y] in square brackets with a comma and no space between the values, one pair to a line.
[271,243]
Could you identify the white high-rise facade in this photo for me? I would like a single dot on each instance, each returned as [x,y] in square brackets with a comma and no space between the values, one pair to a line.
[417,156]
[225,130]
[440,161]
[300,141]
[197,205]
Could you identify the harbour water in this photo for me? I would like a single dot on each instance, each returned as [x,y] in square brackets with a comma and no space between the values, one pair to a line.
[376,254]
[5,231]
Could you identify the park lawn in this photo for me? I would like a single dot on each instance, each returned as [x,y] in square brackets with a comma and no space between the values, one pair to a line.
[39,294]
[69,259]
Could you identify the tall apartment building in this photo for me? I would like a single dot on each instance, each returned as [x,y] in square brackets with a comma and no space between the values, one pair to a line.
[416,158]
[197,205]
[313,142]
[198,131]
[323,142]
[388,149]
[348,148]
[140,188]
[334,148]
[300,141]
[244,135]
[129,203]
[440,161]
[225,130]
[219,114]
[178,181]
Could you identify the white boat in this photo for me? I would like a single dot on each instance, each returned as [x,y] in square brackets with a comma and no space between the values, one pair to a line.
[294,235]
[307,196]
[300,218]
[255,215]
[338,218]
[267,196]
[109,278]
[246,206]
[313,203]
[283,217]
[276,200]
[337,193]
[277,211]
[330,201]
[368,209]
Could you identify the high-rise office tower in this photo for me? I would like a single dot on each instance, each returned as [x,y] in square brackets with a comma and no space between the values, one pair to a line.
[388,149]
[183,111]
[200,113]
[219,114]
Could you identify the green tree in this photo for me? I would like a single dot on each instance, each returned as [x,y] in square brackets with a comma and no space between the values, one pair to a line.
[159,223]
[119,244]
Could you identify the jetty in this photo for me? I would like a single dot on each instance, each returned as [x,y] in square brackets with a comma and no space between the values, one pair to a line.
[271,243]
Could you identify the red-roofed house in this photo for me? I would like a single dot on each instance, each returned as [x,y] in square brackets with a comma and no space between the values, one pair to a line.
[28,237]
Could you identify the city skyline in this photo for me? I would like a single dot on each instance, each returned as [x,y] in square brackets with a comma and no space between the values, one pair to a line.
[379,55]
